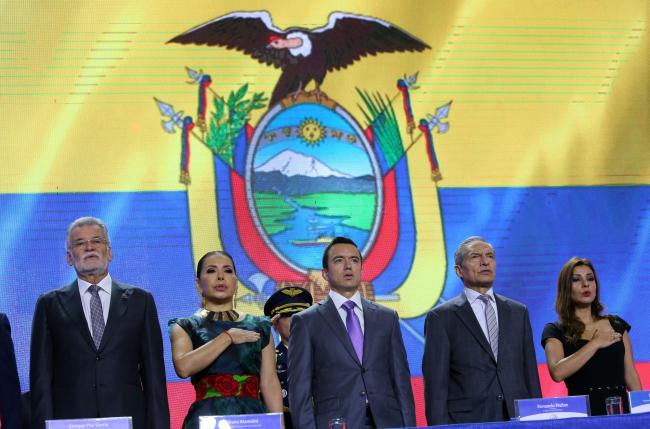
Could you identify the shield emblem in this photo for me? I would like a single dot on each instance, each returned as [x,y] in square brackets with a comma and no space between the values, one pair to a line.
[311,175]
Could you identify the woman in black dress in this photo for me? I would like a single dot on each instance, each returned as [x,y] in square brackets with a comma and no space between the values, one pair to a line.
[590,351]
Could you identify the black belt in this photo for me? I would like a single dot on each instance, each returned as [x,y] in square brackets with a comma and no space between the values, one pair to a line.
[607,388]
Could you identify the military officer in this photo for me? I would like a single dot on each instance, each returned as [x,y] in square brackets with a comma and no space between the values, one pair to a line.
[280,306]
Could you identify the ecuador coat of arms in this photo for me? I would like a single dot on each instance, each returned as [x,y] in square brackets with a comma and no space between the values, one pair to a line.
[308,170]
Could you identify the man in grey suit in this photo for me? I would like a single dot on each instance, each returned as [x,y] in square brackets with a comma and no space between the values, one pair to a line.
[347,357]
[479,354]
[96,346]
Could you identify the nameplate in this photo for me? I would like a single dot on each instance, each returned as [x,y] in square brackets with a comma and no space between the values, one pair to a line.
[241,421]
[103,423]
[639,401]
[552,408]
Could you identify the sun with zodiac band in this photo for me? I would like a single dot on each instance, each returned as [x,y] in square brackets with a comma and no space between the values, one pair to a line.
[311,131]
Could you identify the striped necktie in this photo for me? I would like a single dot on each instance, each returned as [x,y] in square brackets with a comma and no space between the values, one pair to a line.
[96,315]
[491,323]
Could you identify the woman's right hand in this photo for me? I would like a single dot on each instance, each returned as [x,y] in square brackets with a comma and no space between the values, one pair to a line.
[605,338]
[239,336]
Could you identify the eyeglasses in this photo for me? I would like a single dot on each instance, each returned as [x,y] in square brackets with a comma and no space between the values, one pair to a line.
[96,241]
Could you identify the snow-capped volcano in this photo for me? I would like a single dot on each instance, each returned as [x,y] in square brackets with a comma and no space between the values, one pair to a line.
[291,163]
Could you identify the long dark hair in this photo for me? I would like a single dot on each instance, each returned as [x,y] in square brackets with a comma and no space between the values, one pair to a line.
[565,307]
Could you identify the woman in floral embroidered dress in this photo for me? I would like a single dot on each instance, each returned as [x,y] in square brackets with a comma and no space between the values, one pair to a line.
[229,355]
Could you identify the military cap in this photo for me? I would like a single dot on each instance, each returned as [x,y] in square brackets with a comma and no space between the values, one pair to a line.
[288,301]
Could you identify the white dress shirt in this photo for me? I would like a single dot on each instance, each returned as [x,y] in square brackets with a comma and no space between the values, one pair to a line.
[105,285]
[479,308]
[339,300]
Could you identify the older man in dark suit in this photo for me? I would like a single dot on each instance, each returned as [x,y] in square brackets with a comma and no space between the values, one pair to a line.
[479,354]
[96,344]
[10,406]
[347,357]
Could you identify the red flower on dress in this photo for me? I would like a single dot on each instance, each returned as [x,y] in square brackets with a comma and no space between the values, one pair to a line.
[251,387]
[226,385]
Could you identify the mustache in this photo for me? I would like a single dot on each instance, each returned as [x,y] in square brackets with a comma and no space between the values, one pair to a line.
[90,254]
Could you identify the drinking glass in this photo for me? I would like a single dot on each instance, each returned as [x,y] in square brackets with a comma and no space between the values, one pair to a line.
[614,405]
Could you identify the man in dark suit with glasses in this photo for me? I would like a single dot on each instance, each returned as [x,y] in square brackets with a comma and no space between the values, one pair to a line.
[96,346]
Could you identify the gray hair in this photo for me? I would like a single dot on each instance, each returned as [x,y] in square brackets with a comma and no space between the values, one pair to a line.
[463,248]
[85,221]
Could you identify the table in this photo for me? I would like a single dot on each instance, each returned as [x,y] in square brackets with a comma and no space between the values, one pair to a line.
[625,421]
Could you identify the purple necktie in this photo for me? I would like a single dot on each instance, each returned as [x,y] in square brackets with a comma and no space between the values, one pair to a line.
[354,328]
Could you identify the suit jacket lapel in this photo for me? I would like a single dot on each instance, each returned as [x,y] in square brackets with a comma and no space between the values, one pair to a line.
[504,313]
[116,311]
[369,323]
[328,310]
[70,300]
[467,316]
